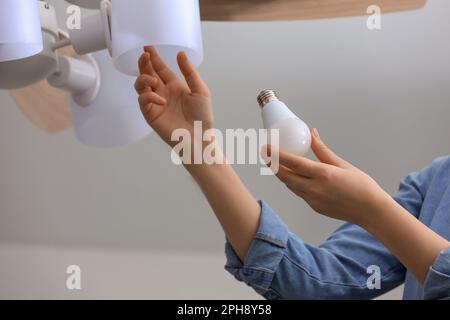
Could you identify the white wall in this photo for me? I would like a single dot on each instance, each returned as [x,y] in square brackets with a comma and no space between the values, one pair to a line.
[39,272]
[380,99]
[34,272]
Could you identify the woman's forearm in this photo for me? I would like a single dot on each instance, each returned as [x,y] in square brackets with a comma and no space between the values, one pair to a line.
[413,243]
[236,209]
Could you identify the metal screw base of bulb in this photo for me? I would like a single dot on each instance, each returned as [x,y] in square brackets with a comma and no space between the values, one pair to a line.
[267,96]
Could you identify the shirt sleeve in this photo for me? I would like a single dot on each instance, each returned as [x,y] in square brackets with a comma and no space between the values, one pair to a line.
[416,186]
[279,265]
[437,283]
[413,190]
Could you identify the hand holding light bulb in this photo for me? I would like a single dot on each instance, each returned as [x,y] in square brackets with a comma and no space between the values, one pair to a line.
[331,186]
[294,134]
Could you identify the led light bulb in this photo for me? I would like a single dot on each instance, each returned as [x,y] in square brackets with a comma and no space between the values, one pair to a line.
[295,136]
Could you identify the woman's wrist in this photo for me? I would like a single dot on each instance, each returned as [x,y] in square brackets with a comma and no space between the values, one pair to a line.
[236,209]
[204,152]
[206,167]
[413,243]
[374,213]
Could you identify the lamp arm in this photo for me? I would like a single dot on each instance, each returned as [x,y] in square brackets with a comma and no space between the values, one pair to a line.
[64,41]
[94,33]
[80,76]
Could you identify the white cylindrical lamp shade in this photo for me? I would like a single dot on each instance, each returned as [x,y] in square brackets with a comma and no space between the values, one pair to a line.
[114,117]
[169,25]
[20,29]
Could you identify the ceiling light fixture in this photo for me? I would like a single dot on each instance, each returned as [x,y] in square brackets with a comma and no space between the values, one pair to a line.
[40,64]
[124,27]
[90,79]
[20,31]
[22,72]
[169,25]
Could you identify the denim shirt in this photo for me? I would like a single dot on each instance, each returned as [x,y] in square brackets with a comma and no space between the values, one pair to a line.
[279,265]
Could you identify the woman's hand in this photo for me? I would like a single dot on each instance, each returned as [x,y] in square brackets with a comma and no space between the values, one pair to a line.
[333,186]
[169,103]
[337,189]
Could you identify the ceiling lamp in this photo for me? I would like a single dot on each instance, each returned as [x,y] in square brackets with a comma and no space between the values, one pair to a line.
[169,25]
[103,105]
[20,29]
[22,72]
[124,27]
[58,80]
[275,10]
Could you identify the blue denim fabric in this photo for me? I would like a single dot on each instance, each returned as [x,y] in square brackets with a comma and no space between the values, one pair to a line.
[279,265]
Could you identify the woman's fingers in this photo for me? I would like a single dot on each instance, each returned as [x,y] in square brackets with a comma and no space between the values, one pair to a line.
[294,182]
[300,165]
[145,65]
[325,154]
[190,73]
[145,81]
[150,97]
[152,105]
[159,66]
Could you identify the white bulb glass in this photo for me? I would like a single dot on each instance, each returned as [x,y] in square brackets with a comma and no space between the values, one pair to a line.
[20,29]
[114,117]
[169,25]
[295,136]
